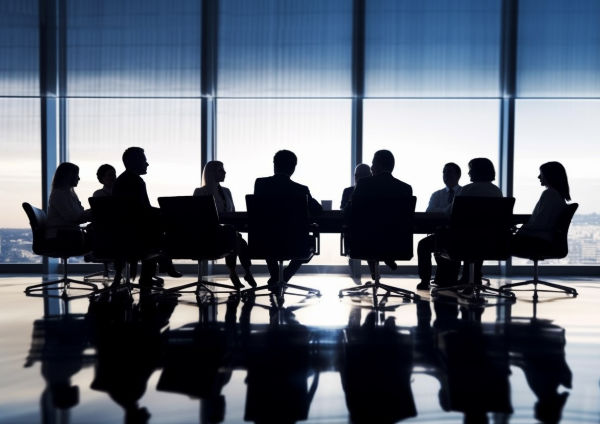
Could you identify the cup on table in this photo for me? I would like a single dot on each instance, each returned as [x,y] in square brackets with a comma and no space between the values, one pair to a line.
[326,204]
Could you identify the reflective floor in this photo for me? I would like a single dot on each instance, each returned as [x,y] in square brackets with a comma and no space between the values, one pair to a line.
[168,359]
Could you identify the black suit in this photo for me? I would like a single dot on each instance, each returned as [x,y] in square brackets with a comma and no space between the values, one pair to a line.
[281,185]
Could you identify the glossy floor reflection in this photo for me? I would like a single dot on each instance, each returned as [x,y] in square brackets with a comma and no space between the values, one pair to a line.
[166,359]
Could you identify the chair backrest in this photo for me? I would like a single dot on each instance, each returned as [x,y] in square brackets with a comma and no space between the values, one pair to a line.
[381,228]
[560,247]
[480,228]
[190,224]
[37,221]
[116,230]
[278,227]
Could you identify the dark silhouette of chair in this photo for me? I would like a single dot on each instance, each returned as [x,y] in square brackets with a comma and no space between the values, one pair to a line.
[557,248]
[480,229]
[279,229]
[192,231]
[118,236]
[379,229]
[55,249]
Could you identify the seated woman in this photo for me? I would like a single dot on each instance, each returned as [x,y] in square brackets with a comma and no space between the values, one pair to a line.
[65,213]
[106,176]
[212,176]
[361,171]
[540,227]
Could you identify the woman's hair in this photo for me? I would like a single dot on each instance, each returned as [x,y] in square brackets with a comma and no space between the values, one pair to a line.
[102,170]
[208,175]
[481,170]
[555,176]
[64,175]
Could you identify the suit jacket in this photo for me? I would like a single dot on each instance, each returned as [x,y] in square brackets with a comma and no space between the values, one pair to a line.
[382,185]
[346,196]
[282,185]
[132,188]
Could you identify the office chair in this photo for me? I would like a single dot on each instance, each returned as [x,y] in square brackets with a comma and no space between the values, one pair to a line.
[279,229]
[557,248]
[118,236]
[55,249]
[479,230]
[379,229]
[192,231]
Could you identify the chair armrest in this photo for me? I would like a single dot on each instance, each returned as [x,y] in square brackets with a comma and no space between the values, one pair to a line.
[314,229]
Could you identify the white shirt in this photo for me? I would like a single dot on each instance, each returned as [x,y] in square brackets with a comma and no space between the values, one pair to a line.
[439,199]
[65,211]
[223,202]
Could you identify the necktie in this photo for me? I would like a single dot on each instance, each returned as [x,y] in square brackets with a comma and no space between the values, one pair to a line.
[450,195]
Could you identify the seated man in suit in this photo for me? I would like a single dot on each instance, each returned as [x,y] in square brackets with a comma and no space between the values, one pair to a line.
[440,202]
[381,184]
[131,188]
[280,184]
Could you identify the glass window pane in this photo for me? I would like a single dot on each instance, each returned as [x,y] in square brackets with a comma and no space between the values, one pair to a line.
[20,176]
[279,48]
[318,131]
[434,48]
[148,48]
[559,48]
[19,48]
[566,131]
[423,135]
[99,130]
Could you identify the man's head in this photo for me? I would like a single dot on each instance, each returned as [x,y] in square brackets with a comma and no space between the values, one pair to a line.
[361,171]
[383,161]
[451,174]
[284,162]
[134,160]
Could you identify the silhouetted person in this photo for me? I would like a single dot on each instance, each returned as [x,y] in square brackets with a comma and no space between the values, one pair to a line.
[361,171]
[131,189]
[214,174]
[381,184]
[440,202]
[376,372]
[65,212]
[106,175]
[281,185]
[539,229]
[482,173]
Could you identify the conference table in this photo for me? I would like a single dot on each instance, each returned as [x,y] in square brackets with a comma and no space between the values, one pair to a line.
[333,221]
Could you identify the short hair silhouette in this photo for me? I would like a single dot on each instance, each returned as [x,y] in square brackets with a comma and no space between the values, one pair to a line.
[103,170]
[208,174]
[131,155]
[362,170]
[384,160]
[481,170]
[454,167]
[284,162]
[555,176]
[64,175]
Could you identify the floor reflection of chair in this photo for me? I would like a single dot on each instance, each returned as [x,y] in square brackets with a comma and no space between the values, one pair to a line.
[55,248]
[375,367]
[479,230]
[192,231]
[380,229]
[557,248]
[279,229]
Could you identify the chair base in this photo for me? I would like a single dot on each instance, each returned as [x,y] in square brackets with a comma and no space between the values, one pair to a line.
[475,293]
[64,285]
[558,288]
[375,286]
[279,288]
[203,286]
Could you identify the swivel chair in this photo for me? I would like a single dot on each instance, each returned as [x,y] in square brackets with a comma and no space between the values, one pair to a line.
[118,236]
[54,248]
[192,231]
[279,229]
[479,230]
[557,248]
[379,229]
